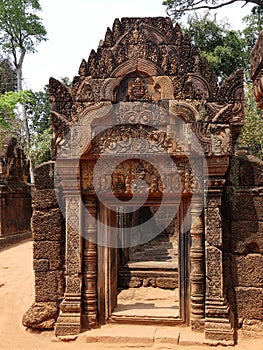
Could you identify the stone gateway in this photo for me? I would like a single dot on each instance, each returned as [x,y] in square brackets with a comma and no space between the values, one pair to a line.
[139,189]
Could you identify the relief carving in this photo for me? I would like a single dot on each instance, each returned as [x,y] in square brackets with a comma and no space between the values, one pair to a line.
[146,62]
[73,260]
[135,139]
[138,113]
[214,280]
[138,91]
[139,176]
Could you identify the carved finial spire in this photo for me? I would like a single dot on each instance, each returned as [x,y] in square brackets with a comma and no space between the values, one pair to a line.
[109,39]
[116,29]
[83,70]
[92,63]
[177,34]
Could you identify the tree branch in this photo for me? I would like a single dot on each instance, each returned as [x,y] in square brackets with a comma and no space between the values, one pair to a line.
[175,8]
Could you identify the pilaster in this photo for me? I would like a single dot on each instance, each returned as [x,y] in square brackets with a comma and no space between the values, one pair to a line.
[90,267]
[69,320]
[197,291]
[218,317]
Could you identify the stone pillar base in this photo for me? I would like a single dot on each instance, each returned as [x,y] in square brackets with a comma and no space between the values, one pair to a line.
[219,321]
[198,325]
[69,320]
[68,324]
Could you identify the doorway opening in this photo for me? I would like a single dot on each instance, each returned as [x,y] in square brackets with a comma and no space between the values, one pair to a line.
[145,279]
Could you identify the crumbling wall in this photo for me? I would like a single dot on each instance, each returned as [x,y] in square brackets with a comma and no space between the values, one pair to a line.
[243,229]
[48,251]
[15,194]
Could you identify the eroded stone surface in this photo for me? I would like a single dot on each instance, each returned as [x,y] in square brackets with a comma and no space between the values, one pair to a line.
[41,316]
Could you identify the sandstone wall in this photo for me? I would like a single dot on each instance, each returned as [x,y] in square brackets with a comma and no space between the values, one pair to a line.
[48,251]
[243,229]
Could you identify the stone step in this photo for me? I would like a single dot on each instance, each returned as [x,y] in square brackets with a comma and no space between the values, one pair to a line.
[163,266]
[115,335]
[154,254]
[138,274]
[156,245]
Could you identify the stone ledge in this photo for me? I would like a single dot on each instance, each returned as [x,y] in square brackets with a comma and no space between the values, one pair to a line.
[10,240]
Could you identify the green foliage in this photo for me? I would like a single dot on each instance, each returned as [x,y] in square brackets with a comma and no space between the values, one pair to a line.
[37,110]
[66,81]
[20,26]
[226,51]
[40,147]
[224,48]
[251,136]
[254,24]
[9,102]
[7,76]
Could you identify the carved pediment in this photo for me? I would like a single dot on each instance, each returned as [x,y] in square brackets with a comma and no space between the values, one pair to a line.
[149,61]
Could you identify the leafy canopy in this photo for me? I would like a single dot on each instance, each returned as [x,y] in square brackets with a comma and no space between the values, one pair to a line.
[20,26]
[37,110]
[251,136]
[9,102]
[224,49]
[7,75]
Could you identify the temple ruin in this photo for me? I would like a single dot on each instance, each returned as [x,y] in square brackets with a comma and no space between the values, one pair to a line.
[147,134]
[15,194]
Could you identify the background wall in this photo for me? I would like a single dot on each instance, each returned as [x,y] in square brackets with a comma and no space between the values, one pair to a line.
[243,244]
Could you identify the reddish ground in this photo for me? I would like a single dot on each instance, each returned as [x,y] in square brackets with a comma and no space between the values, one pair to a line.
[17,294]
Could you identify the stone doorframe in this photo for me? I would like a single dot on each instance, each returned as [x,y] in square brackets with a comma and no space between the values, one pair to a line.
[107,270]
[147,60]
[209,310]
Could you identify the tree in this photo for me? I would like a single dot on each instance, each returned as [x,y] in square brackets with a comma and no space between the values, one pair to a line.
[38,109]
[177,8]
[254,24]
[21,31]
[225,49]
[9,124]
[8,104]
[7,75]
[251,136]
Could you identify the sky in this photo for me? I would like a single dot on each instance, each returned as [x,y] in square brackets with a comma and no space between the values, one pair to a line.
[75,27]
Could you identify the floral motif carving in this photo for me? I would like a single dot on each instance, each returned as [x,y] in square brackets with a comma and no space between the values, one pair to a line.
[138,113]
[135,139]
[73,261]
[214,270]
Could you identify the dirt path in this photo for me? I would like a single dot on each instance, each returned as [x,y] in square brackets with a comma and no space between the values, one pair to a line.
[16,296]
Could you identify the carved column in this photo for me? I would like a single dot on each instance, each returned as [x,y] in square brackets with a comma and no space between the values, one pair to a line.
[69,320]
[218,317]
[90,267]
[197,292]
